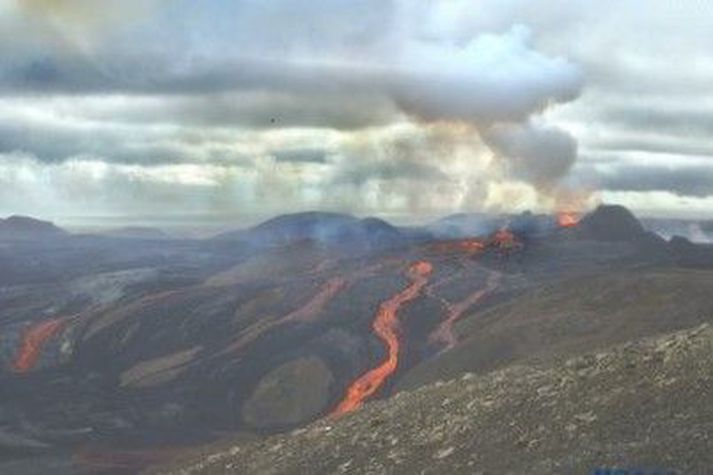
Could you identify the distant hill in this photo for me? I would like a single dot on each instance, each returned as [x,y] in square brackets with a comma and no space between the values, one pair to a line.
[611,223]
[328,228]
[689,254]
[466,224]
[614,223]
[23,227]
[460,225]
[137,232]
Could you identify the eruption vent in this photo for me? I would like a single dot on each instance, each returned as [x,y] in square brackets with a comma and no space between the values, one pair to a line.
[568,219]
[386,327]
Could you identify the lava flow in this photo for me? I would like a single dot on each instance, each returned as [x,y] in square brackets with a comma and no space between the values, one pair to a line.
[503,241]
[444,332]
[386,327]
[33,340]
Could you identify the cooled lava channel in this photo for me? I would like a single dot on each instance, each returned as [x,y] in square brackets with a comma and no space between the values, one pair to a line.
[386,327]
[307,313]
[444,332]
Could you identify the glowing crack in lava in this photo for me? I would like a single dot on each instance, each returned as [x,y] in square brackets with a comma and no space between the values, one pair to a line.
[33,341]
[444,332]
[567,219]
[386,327]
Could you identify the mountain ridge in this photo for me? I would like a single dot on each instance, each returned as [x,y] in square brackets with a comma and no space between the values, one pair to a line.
[17,226]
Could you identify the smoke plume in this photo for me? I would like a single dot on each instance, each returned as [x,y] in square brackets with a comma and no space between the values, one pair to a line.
[398,112]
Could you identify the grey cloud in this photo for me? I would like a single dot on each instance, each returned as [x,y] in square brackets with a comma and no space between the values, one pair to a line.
[682,181]
[255,110]
[466,88]
[538,154]
[231,68]
[490,78]
[361,172]
[669,119]
[55,141]
[300,155]
[657,145]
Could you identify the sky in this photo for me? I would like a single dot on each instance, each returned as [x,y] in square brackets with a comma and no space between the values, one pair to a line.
[243,109]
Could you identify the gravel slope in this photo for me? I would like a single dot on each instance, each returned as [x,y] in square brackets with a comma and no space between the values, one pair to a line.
[640,405]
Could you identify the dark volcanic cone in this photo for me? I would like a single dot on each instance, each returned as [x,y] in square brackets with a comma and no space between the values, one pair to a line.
[21,227]
[614,223]
[611,223]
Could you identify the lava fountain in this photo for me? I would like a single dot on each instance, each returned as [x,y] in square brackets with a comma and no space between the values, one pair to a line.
[386,327]
[33,341]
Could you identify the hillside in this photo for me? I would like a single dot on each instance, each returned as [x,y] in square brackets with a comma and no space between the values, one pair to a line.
[23,227]
[557,319]
[332,229]
[635,406]
[116,353]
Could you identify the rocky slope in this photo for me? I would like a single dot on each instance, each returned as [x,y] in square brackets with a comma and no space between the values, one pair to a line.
[116,353]
[637,406]
[556,320]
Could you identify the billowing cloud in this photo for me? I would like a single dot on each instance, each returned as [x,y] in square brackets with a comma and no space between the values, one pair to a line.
[363,105]
[294,104]
[534,153]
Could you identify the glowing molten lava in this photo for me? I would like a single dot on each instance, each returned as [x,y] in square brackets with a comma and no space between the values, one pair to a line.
[386,327]
[567,219]
[33,340]
[503,240]
[444,332]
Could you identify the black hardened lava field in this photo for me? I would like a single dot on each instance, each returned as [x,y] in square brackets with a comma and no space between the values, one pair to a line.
[120,353]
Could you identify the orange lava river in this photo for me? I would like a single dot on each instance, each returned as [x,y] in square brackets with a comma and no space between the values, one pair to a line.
[32,343]
[386,327]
